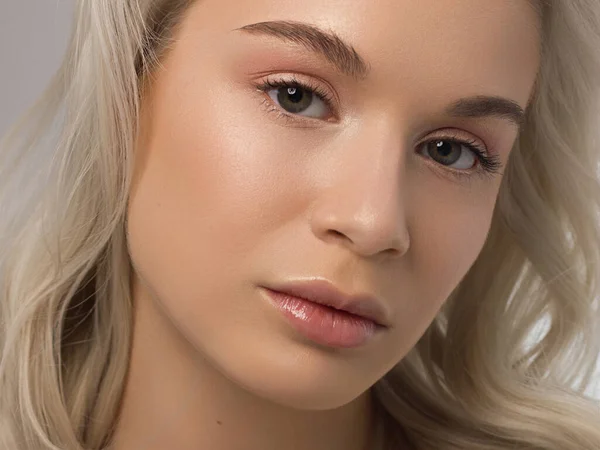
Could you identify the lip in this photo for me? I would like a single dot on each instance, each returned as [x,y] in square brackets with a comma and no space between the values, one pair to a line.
[323,292]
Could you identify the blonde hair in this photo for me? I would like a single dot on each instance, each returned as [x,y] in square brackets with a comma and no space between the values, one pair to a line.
[473,381]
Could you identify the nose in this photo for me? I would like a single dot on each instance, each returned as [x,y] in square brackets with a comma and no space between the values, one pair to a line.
[363,204]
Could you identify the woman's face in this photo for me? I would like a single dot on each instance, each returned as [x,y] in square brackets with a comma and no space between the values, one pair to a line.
[373,187]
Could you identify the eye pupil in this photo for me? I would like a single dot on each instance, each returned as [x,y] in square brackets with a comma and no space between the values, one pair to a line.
[441,151]
[294,99]
[444,148]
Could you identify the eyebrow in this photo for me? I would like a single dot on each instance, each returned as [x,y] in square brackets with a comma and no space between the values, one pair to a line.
[481,106]
[325,43]
[346,60]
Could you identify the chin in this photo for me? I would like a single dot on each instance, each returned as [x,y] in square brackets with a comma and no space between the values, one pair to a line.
[291,373]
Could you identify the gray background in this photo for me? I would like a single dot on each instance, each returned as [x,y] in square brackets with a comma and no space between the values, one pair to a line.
[33,38]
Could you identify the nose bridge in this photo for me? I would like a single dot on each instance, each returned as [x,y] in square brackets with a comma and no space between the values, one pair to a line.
[364,203]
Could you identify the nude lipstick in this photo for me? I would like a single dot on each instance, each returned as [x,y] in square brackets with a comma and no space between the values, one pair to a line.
[321,313]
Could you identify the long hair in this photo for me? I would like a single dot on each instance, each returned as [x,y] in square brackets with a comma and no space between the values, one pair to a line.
[475,380]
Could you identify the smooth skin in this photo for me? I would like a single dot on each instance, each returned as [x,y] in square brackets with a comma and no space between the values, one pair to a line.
[230,195]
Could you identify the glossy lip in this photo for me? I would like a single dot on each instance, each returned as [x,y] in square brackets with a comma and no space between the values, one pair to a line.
[325,293]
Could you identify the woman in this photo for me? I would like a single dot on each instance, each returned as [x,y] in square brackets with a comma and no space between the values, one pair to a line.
[317,225]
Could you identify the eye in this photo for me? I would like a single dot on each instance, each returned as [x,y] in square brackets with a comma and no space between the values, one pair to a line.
[464,156]
[294,100]
[292,97]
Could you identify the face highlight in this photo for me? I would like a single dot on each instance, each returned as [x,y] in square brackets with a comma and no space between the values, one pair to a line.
[263,158]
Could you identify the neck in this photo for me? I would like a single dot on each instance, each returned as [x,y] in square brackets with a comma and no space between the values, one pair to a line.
[175,398]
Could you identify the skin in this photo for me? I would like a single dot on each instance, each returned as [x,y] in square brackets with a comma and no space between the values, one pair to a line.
[228,196]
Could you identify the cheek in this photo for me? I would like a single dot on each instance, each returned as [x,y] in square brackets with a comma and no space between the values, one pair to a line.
[204,190]
[199,178]
[449,242]
[447,235]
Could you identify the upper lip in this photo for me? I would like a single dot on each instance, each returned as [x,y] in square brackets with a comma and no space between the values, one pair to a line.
[325,293]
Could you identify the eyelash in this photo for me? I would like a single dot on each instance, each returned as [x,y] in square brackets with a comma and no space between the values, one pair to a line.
[489,165]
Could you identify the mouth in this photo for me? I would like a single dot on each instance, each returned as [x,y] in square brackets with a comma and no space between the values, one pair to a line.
[325,293]
[325,316]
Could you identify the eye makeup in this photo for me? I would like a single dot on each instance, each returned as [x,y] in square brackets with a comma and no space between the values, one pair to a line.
[486,164]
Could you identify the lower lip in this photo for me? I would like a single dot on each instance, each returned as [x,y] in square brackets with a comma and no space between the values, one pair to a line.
[322,324]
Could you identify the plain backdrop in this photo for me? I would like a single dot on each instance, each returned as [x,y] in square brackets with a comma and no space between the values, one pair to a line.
[33,38]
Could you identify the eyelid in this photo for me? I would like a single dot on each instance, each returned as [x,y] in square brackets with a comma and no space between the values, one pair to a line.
[454,133]
[315,84]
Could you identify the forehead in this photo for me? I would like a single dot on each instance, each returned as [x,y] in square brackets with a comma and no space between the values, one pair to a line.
[472,46]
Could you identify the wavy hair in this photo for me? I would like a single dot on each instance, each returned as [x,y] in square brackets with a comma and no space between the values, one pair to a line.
[475,380]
